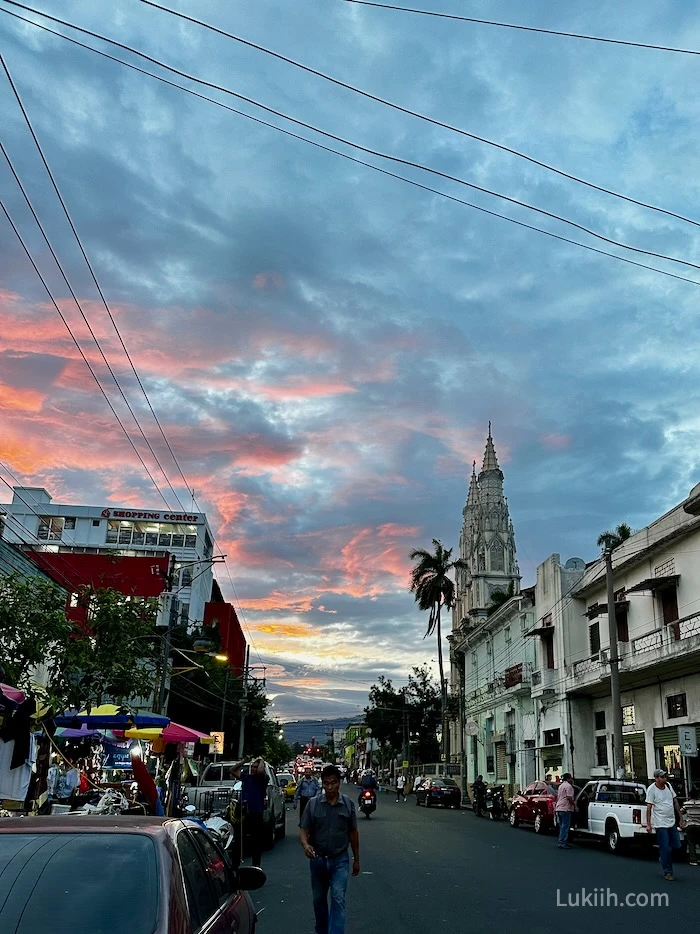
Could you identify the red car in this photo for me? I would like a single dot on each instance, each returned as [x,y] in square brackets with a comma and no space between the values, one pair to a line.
[120,874]
[535,806]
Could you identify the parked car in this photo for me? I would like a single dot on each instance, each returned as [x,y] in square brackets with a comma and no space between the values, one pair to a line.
[288,784]
[613,811]
[56,873]
[442,792]
[535,806]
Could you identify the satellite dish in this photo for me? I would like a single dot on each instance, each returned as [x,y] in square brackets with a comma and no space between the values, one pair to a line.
[575,564]
[471,728]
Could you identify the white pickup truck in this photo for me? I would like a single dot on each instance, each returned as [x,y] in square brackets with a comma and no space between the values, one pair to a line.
[613,811]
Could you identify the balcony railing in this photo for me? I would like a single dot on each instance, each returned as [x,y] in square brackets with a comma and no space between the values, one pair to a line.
[668,635]
[590,665]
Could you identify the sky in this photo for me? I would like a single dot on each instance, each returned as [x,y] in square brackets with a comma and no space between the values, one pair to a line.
[324,344]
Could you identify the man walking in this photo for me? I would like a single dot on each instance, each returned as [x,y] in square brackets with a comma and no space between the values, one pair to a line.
[328,826]
[307,789]
[663,816]
[479,789]
[564,809]
[401,787]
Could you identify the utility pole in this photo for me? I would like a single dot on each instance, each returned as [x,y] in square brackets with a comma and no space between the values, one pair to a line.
[243,704]
[160,701]
[406,747]
[614,661]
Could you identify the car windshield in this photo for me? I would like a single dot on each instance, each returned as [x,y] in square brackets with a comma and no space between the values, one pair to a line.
[71,882]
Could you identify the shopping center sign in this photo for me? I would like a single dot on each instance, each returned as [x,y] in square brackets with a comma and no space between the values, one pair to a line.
[189,518]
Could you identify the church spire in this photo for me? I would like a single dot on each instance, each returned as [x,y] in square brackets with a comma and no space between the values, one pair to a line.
[490,459]
[473,496]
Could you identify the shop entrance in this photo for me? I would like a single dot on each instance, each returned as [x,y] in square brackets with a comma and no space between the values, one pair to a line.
[635,756]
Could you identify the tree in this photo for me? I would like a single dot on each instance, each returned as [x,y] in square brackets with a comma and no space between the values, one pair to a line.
[111,657]
[610,540]
[433,590]
[384,714]
[499,597]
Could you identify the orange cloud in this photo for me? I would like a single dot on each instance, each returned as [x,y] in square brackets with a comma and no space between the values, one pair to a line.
[24,400]
[288,630]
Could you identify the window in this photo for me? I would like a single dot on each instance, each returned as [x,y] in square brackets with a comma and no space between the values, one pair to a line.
[190,541]
[185,577]
[69,522]
[178,541]
[208,547]
[125,531]
[676,705]
[552,737]
[600,719]
[548,648]
[594,639]
[601,750]
[95,522]
[151,538]
[164,540]
[50,528]
[215,867]
[138,537]
[201,897]
[490,765]
[628,715]
[112,532]
[506,633]
[497,555]
[184,613]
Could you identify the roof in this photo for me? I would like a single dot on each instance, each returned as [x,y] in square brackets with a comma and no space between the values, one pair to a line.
[63,823]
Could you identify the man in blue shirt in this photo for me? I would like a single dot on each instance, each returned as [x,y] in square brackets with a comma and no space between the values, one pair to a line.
[307,789]
[254,784]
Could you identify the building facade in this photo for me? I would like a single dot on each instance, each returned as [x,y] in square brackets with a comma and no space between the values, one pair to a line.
[32,520]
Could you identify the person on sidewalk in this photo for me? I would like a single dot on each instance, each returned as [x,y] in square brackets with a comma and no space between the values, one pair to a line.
[479,789]
[663,816]
[328,826]
[401,787]
[564,809]
[690,812]
[307,789]
[253,788]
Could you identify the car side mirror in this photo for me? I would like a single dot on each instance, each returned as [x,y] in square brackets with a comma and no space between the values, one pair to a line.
[249,878]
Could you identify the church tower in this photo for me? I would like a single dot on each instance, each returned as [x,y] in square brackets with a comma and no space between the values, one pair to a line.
[486,543]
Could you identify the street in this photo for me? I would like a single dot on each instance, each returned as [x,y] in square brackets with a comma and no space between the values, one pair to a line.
[423,868]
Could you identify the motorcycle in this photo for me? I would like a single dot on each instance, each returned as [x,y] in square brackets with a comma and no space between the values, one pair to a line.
[496,806]
[368,802]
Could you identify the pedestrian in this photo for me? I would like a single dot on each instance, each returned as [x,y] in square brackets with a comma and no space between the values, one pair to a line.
[479,789]
[401,787]
[328,827]
[663,816]
[254,784]
[690,812]
[307,788]
[564,809]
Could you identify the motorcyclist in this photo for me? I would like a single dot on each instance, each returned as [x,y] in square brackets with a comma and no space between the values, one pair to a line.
[368,781]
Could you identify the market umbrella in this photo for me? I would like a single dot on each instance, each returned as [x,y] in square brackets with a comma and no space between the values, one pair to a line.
[65,732]
[13,694]
[110,717]
[172,733]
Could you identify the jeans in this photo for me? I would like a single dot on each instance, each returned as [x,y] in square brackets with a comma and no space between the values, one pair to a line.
[668,840]
[564,818]
[255,828]
[330,873]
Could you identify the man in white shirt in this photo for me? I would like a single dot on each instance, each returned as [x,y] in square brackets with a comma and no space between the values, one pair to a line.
[663,817]
[401,787]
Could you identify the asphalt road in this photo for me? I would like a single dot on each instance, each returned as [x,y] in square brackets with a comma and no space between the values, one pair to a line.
[452,873]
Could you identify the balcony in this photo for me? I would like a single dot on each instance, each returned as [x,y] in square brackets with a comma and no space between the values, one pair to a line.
[667,642]
[543,681]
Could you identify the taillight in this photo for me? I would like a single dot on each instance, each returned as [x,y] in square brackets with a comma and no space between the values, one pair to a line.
[368,794]
[636,817]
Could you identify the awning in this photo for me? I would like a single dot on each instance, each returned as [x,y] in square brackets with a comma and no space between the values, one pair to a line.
[172,733]
[602,608]
[655,583]
[539,630]
[110,717]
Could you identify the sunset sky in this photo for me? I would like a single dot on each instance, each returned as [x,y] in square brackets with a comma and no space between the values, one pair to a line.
[324,344]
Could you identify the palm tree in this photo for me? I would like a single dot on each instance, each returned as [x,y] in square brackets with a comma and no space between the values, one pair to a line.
[434,590]
[609,540]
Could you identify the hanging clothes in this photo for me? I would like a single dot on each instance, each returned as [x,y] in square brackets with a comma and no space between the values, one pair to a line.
[14,780]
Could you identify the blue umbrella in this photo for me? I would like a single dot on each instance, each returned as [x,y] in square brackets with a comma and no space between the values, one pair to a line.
[110,717]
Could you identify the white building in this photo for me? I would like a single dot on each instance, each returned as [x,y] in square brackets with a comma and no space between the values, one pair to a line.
[657,618]
[491,661]
[33,519]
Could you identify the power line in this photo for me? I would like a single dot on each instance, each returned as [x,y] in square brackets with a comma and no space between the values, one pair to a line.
[354,159]
[413,113]
[99,289]
[547,32]
[79,348]
[358,146]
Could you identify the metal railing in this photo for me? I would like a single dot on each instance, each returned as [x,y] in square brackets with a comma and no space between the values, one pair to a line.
[668,635]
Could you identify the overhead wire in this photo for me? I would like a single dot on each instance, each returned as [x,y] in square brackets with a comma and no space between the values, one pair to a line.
[413,113]
[536,29]
[99,290]
[354,159]
[366,149]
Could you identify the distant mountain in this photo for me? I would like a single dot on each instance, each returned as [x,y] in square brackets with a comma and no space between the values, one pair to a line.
[303,731]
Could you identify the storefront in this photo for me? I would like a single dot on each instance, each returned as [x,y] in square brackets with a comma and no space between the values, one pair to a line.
[634,745]
[667,753]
